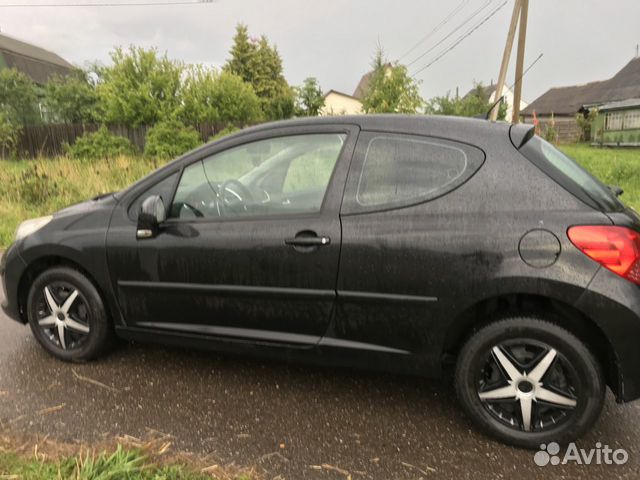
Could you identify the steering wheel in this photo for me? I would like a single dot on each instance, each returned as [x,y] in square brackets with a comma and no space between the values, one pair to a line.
[197,213]
[235,197]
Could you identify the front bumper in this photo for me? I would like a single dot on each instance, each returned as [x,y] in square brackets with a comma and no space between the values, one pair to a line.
[614,304]
[12,268]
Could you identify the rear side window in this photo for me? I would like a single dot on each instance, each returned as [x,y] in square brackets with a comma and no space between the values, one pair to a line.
[570,175]
[399,170]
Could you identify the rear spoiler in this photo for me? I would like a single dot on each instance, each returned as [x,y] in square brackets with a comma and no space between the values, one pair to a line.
[520,134]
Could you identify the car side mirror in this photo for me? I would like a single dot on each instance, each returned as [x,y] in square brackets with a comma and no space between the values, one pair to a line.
[152,214]
[617,191]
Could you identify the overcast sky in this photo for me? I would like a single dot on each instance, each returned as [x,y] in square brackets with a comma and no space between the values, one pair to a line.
[334,40]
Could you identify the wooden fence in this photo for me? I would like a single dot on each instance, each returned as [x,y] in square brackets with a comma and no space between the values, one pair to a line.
[567,128]
[48,140]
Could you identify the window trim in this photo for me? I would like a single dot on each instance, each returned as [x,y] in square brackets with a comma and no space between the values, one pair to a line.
[351,206]
[276,216]
[176,172]
[131,193]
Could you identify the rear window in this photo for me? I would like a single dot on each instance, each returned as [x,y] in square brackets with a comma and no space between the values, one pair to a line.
[564,170]
[400,170]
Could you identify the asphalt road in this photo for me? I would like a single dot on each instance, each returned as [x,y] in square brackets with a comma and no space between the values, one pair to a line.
[244,411]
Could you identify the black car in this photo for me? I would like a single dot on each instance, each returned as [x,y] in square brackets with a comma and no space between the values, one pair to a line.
[406,244]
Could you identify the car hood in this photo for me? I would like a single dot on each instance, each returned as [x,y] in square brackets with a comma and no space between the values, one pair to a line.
[100,201]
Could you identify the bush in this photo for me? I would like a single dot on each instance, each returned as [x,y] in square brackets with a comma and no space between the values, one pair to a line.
[170,139]
[35,186]
[8,137]
[100,144]
[584,124]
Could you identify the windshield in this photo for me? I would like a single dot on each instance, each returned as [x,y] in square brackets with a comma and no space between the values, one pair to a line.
[564,170]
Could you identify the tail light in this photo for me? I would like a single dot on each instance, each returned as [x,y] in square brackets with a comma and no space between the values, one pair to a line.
[615,248]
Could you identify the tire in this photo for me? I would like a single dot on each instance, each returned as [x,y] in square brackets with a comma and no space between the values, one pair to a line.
[499,405]
[82,320]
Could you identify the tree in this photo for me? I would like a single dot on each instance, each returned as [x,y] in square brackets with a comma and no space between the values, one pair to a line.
[260,64]
[211,96]
[391,89]
[140,88]
[309,98]
[18,98]
[243,54]
[71,99]
[475,103]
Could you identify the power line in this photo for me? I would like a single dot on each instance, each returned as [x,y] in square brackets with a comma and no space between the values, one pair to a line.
[527,69]
[446,37]
[451,14]
[111,4]
[460,39]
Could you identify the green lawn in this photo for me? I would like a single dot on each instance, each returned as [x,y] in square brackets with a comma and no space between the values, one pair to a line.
[613,166]
[31,188]
[122,464]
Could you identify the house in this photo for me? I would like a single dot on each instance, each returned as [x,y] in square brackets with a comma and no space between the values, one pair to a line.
[617,124]
[338,103]
[36,62]
[564,103]
[490,93]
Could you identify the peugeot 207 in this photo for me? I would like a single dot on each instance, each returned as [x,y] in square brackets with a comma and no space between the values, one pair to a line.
[418,245]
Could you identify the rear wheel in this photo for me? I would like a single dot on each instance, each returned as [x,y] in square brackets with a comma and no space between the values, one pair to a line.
[67,316]
[527,382]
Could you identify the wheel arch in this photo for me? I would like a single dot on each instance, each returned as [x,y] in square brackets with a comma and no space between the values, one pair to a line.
[551,309]
[40,265]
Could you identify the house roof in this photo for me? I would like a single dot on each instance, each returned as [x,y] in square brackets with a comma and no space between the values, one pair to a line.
[339,93]
[629,103]
[34,61]
[363,84]
[569,100]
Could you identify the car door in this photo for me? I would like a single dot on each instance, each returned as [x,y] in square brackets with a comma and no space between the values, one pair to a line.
[397,270]
[251,245]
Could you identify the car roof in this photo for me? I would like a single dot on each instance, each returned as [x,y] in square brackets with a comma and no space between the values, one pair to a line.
[457,128]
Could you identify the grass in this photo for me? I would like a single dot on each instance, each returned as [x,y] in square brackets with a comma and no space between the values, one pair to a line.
[122,464]
[613,166]
[32,188]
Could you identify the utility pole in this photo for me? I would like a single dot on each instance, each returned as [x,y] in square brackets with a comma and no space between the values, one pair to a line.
[505,57]
[522,38]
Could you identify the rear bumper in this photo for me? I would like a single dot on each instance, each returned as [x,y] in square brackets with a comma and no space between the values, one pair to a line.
[11,269]
[614,304]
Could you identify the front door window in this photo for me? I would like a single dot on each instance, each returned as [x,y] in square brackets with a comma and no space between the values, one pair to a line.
[283,175]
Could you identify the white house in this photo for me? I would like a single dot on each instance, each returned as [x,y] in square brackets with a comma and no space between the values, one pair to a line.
[338,103]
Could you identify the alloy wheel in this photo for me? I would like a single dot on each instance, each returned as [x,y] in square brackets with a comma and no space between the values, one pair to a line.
[528,386]
[63,315]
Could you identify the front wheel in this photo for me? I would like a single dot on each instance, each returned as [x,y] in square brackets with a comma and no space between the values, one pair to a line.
[67,316]
[527,382]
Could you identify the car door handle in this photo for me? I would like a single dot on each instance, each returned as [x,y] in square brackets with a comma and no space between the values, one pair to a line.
[308,241]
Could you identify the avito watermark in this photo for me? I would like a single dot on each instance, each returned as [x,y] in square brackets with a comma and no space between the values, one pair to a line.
[600,455]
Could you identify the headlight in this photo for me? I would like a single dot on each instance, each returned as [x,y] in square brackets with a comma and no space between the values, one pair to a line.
[29,226]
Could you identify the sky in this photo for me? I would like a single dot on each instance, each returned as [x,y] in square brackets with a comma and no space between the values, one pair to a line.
[334,40]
